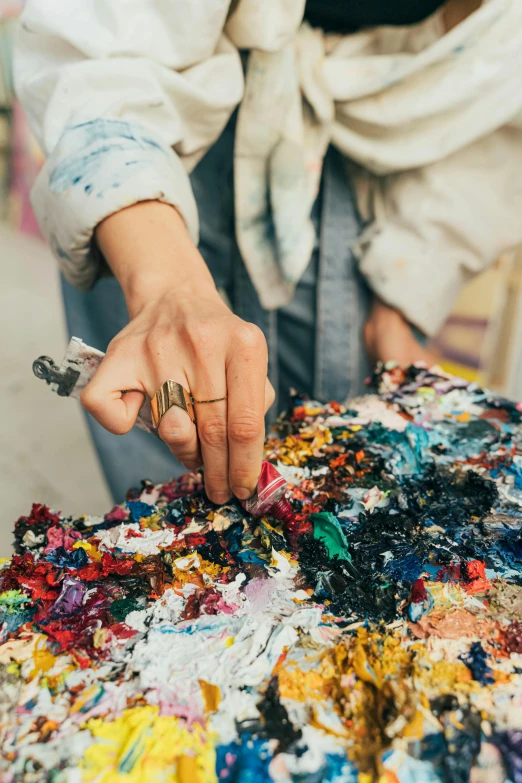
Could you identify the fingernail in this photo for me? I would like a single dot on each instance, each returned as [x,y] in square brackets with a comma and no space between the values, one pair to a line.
[220,499]
[242,493]
[191,465]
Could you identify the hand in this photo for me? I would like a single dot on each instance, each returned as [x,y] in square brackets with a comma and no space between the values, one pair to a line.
[388,337]
[181,329]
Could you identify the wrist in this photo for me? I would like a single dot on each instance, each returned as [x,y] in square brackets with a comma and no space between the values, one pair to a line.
[151,254]
[147,287]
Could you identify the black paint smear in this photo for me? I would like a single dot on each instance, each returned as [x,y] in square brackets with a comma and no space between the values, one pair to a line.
[502,404]
[352,589]
[178,509]
[510,745]
[213,550]
[455,751]
[22,527]
[274,721]
[276,538]
[130,586]
[451,500]
[445,703]
[477,429]
[37,522]
[463,737]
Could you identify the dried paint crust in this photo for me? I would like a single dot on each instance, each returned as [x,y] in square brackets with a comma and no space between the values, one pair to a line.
[367,628]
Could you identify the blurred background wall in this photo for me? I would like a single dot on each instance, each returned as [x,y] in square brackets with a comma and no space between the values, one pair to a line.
[45,454]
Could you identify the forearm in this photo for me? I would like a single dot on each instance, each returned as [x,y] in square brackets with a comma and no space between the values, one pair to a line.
[150,252]
[180,329]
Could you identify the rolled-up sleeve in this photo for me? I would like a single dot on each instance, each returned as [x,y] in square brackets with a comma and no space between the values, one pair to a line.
[124,99]
[438,226]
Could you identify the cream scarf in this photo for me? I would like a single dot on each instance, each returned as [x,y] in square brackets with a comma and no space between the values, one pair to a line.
[390,99]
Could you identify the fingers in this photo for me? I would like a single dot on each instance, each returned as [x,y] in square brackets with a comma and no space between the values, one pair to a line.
[117,411]
[177,430]
[247,390]
[212,431]
[104,400]
[229,436]
[209,443]
[269,395]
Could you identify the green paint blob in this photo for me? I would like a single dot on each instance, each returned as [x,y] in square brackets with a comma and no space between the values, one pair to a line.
[13,598]
[120,609]
[328,530]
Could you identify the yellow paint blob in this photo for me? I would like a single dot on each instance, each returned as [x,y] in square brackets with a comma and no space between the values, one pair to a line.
[415,728]
[211,696]
[100,638]
[152,522]
[143,747]
[43,661]
[21,649]
[303,685]
[91,550]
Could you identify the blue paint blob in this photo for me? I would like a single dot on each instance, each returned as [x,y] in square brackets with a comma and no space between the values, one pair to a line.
[243,762]
[138,510]
[249,556]
[74,558]
[339,770]
[405,567]
[477,662]
[11,620]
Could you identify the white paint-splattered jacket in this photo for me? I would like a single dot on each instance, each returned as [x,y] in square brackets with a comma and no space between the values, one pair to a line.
[125,96]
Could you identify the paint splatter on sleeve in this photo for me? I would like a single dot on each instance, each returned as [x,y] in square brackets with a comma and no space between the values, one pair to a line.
[96,169]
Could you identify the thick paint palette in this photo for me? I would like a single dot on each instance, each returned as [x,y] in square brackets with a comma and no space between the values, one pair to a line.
[367,627]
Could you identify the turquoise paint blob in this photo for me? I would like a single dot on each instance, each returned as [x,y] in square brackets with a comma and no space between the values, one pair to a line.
[327,529]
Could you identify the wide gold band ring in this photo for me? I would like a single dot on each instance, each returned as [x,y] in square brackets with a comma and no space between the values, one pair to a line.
[168,395]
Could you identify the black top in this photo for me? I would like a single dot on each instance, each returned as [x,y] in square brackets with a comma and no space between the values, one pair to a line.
[345,16]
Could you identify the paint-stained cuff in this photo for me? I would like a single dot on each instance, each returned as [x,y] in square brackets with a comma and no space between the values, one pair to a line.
[98,168]
[410,275]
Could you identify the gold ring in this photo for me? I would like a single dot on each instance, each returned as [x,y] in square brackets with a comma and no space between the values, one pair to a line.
[168,395]
[217,399]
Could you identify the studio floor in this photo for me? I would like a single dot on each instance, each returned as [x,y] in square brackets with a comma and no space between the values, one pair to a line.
[45,452]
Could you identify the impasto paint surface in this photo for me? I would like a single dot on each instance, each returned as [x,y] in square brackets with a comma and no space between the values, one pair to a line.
[367,628]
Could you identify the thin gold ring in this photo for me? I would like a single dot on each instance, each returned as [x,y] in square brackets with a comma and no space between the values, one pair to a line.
[170,394]
[202,402]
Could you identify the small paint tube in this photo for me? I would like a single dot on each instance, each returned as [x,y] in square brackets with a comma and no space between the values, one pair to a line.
[269,498]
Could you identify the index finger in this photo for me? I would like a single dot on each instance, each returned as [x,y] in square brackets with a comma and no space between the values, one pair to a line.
[246,379]
[105,400]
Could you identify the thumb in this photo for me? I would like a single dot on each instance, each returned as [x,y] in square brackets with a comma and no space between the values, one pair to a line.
[113,397]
